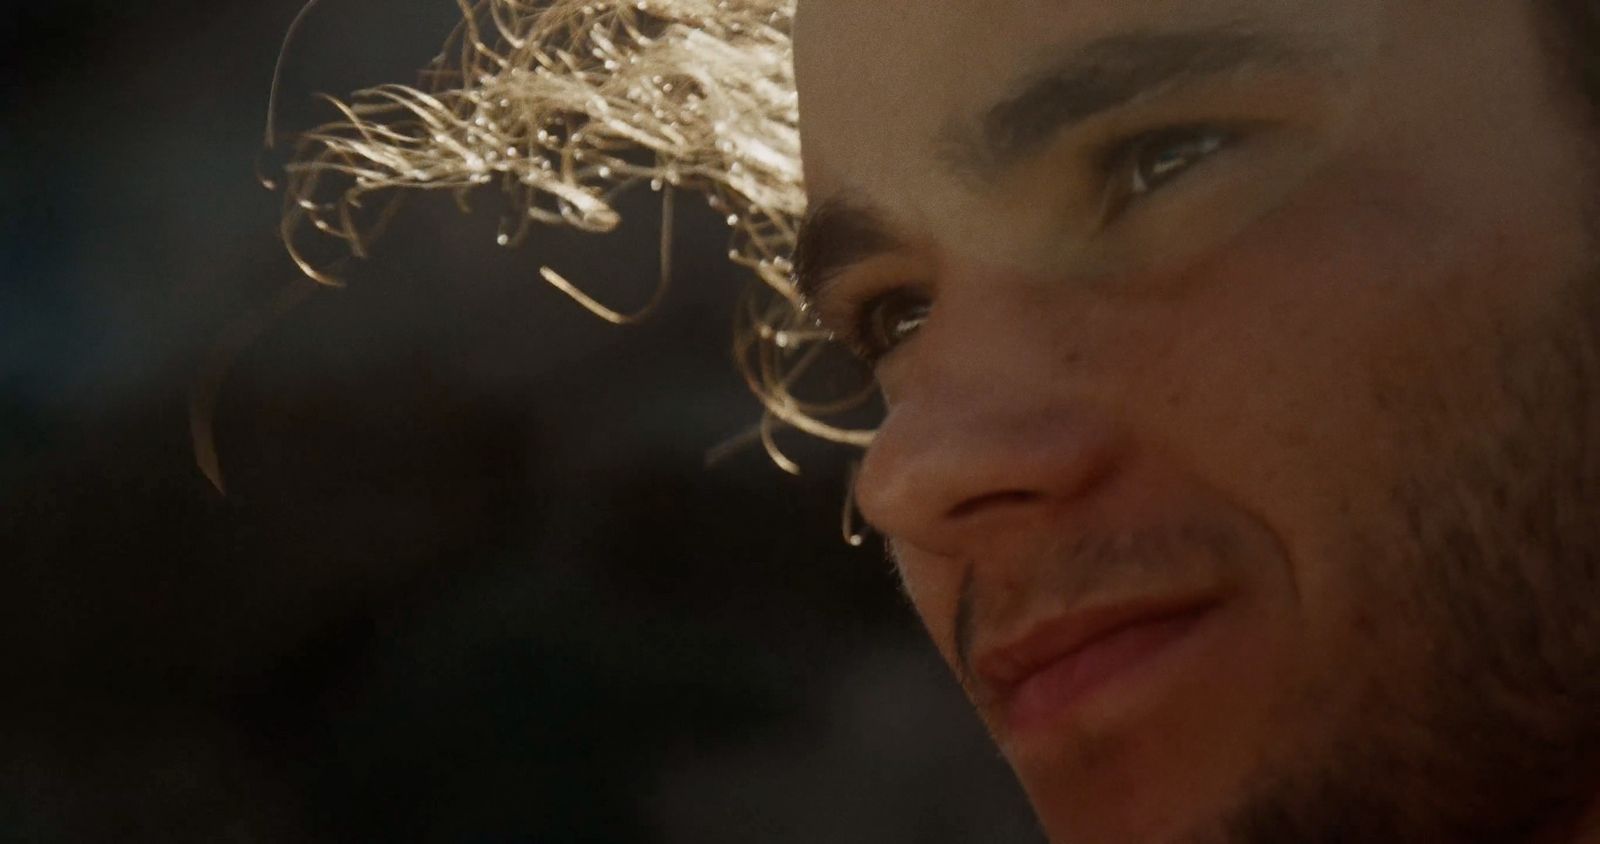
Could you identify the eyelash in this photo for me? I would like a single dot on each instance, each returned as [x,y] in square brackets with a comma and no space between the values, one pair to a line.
[858,337]
[1123,159]
[1120,159]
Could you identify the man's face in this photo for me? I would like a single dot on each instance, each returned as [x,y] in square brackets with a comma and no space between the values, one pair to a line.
[1240,366]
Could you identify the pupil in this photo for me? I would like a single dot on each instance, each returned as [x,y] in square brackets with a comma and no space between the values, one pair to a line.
[1171,159]
[895,318]
[1172,155]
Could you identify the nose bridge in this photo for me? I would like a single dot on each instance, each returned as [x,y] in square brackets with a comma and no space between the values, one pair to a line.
[991,417]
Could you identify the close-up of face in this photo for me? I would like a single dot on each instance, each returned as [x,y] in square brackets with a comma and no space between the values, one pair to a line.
[802,422]
[1238,359]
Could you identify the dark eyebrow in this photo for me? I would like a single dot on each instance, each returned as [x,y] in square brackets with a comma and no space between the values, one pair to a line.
[837,233]
[1106,74]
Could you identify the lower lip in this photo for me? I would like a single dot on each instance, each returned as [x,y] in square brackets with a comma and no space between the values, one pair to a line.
[1070,681]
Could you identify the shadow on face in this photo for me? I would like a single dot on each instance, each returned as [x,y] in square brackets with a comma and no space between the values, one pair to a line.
[1236,357]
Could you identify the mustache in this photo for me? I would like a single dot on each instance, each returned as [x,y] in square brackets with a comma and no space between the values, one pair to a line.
[1091,564]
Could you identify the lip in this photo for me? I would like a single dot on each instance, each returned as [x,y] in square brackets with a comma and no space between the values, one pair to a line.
[1060,663]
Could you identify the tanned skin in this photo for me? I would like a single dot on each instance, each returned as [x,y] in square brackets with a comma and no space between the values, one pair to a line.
[1242,365]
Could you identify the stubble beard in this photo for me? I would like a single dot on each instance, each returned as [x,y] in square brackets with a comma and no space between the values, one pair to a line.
[1489,730]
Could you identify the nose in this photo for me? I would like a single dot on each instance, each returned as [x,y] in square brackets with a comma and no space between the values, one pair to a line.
[979,445]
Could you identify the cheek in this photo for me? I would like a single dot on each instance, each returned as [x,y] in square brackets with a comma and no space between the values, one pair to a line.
[1305,346]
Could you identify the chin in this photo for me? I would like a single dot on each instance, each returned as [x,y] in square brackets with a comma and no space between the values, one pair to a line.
[1134,799]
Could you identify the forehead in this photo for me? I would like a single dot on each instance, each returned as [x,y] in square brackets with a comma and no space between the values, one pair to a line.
[885,84]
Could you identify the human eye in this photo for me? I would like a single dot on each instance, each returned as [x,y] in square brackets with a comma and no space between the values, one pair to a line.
[1145,163]
[880,323]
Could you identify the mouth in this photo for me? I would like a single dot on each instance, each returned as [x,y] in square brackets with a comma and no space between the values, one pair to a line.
[1062,664]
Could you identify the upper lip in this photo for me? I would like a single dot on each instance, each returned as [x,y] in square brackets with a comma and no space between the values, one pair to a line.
[1006,666]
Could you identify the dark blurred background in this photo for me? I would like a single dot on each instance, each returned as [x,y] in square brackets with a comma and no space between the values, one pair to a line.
[473,579]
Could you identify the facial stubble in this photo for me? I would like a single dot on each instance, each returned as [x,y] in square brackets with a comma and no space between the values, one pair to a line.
[1486,727]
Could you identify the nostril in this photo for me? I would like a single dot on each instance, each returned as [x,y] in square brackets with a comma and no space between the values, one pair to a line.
[993,499]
